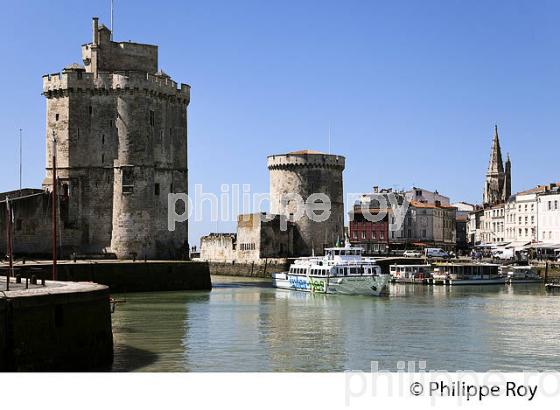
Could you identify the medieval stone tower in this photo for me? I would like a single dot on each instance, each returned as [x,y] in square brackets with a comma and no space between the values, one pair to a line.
[498,181]
[306,173]
[121,131]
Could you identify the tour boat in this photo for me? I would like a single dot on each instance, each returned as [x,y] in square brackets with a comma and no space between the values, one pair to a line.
[343,270]
[522,274]
[467,274]
[411,274]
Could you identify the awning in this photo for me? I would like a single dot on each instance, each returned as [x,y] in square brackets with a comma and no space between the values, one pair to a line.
[518,245]
[544,246]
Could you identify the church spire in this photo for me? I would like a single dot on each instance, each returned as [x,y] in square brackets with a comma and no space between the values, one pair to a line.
[496,165]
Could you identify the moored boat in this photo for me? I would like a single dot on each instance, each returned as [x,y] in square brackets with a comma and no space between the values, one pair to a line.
[467,274]
[343,270]
[522,274]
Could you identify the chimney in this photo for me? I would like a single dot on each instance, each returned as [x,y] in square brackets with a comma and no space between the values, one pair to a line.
[375,189]
[95,31]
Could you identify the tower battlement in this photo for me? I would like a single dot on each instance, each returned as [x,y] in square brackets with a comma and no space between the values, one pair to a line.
[309,159]
[79,80]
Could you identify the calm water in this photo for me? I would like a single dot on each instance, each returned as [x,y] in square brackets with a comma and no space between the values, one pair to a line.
[244,325]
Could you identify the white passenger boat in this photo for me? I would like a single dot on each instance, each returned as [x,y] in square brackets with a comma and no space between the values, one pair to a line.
[467,274]
[343,270]
[522,274]
[421,274]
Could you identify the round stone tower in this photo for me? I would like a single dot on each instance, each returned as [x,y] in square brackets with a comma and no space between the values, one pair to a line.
[306,173]
[150,164]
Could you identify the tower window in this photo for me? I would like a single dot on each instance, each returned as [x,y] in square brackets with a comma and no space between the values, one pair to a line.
[102,158]
[90,110]
[156,189]
[103,139]
[127,180]
[152,118]
[56,117]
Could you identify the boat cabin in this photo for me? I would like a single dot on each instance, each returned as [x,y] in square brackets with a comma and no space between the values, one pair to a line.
[468,270]
[410,271]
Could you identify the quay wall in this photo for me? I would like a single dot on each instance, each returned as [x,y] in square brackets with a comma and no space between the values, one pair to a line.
[256,269]
[129,276]
[66,328]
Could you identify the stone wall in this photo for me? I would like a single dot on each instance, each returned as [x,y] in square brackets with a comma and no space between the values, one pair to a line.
[263,268]
[218,247]
[32,226]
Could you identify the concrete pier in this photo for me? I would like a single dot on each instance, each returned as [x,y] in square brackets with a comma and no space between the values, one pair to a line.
[124,275]
[61,326]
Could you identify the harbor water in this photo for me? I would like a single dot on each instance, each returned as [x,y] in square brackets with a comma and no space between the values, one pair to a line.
[246,325]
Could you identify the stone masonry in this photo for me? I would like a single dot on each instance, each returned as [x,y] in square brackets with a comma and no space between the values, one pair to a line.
[121,131]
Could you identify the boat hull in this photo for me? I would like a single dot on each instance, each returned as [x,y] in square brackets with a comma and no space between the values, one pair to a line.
[515,281]
[346,285]
[455,282]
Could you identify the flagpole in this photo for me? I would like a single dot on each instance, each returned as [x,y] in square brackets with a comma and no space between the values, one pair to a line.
[20,157]
[112,14]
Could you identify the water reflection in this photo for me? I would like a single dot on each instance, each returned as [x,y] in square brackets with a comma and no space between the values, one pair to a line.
[243,325]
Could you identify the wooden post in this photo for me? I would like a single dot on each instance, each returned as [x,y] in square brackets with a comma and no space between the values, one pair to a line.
[54,208]
[9,242]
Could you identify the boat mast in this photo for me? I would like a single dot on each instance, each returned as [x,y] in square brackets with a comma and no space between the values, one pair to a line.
[54,206]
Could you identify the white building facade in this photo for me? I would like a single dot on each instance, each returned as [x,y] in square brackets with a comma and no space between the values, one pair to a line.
[548,216]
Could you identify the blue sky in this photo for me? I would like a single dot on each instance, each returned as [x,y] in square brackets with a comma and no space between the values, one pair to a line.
[412,89]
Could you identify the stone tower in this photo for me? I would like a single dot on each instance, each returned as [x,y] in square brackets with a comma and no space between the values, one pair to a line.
[305,173]
[121,130]
[498,181]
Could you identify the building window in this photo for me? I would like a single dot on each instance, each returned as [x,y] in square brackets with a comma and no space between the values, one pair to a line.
[102,158]
[156,189]
[355,235]
[19,224]
[152,118]
[103,139]
[90,110]
[56,117]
